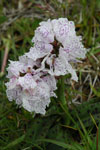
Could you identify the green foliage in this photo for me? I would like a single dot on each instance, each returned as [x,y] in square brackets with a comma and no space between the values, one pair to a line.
[64,127]
[3,19]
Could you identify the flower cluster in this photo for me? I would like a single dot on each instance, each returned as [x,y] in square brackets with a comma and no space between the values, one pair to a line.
[30,87]
[32,79]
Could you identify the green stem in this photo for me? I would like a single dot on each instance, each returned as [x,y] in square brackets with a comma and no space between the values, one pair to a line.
[62,98]
[62,91]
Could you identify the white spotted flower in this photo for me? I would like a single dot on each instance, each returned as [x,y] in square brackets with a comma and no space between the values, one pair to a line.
[57,44]
[28,87]
[32,79]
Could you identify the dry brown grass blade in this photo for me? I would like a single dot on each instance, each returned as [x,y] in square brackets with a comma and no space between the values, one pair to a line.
[4,60]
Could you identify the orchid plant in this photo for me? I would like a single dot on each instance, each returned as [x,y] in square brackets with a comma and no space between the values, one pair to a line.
[33,78]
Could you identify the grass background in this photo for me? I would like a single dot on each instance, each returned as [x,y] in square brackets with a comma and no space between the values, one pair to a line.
[74,127]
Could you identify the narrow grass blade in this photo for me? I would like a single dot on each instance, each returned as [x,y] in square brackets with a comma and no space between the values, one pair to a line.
[64,145]
[17,141]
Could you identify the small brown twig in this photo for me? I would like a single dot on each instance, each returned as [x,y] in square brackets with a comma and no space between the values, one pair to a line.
[4,60]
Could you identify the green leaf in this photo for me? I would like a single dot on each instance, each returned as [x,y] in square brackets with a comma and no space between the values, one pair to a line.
[64,145]
[95,91]
[98,3]
[17,141]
